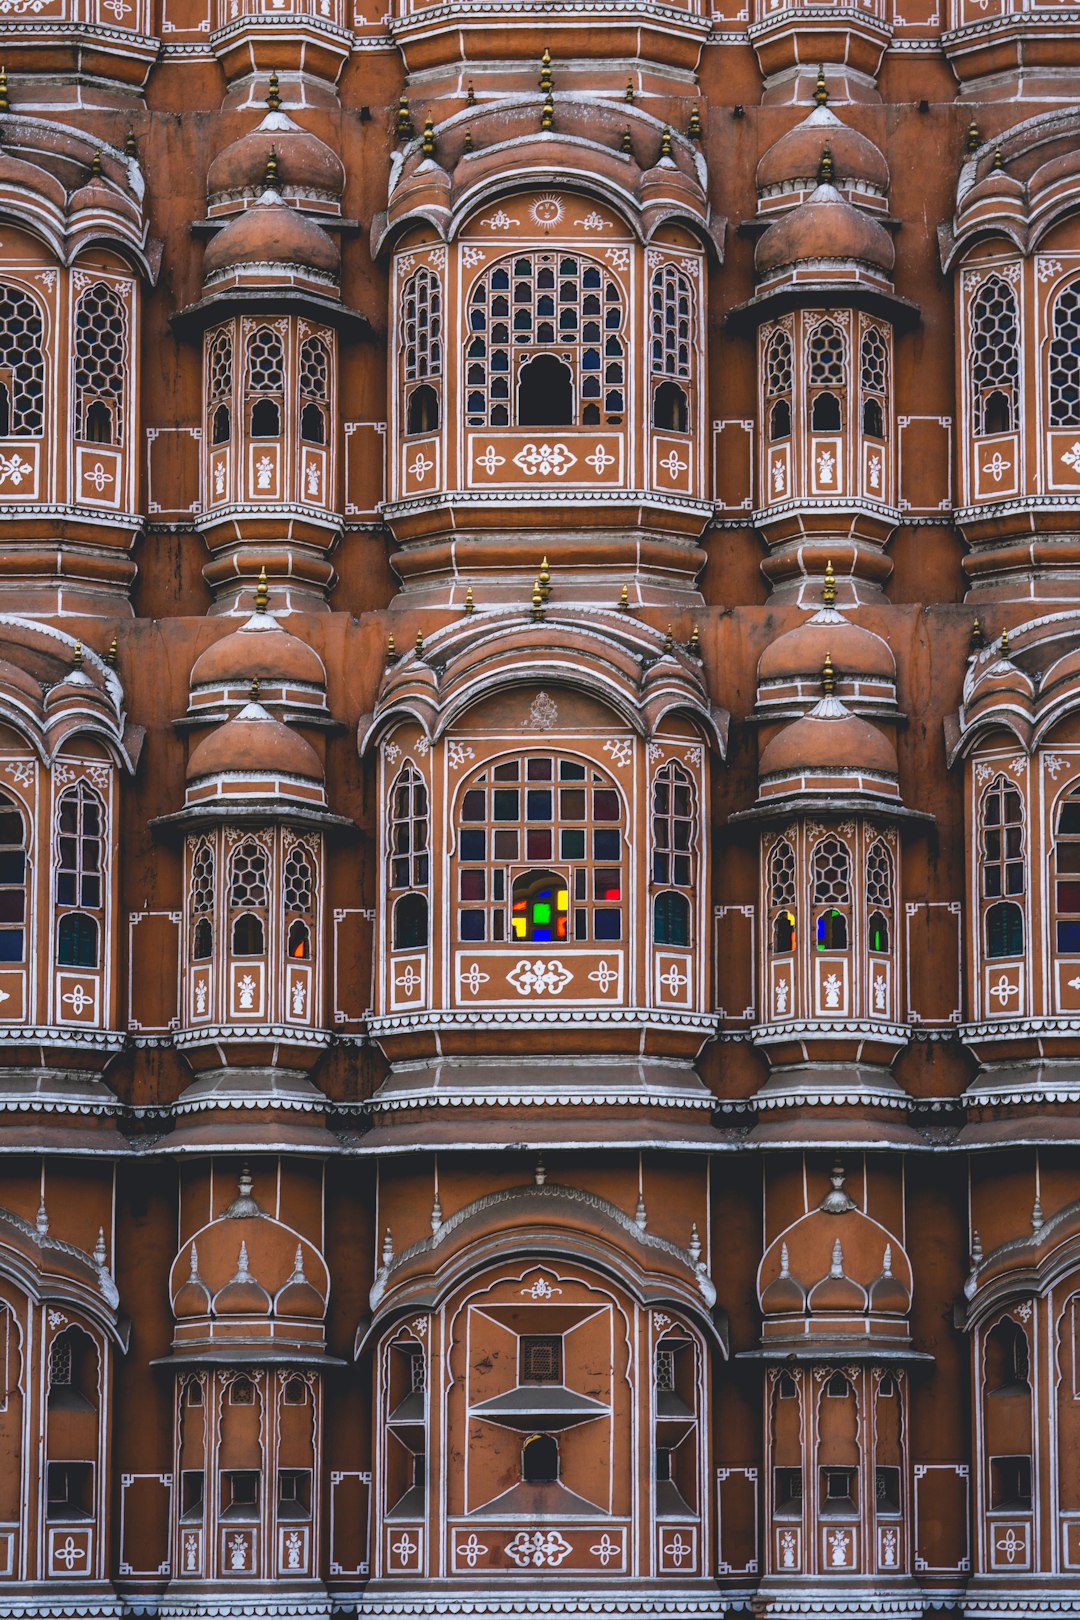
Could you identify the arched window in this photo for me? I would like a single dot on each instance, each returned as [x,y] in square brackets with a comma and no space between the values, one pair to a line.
[1067,876]
[201,903]
[1002,866]
[219,382]
[265,383]
[782,897]
[540,1459]
[672,853]
[22,365]
[12,882]
[299,903]
[408,847]
[248,898]
[101,350]
[1004,929]
[79,868]
[423,411]
[73,1371]
[314,390]
[827,377]
[778,383]
[421,326]
[874,382]
[1008,1359]
[1064,371]
[879,896]
[994,357]
[564,304]
[832,889]
[670,353]
[562,821]
[671,408]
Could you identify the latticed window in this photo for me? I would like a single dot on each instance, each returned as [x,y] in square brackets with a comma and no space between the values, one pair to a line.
[672,853]
[219,385]
[60,1362]
[874,381]
[248,897]
[421,326]
[672,303]
[1067,876]
[571,311]
[879,895]
[540,1359]
[665,1370]
[101,350]
[12,882]
[782,890]
[409,857]
[22,365]
[995,356]
[299,901]
[778,384]
[827,376]
[314,389]
[201,903]
[831,878]
[1002,867]
[1065,358]
[265,382]
[562,821]
[79,853]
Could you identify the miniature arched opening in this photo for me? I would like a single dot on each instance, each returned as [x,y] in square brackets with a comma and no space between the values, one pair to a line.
[540,907]
[247,935]
[313,424]
[5,410]
[825,414]
[780,420]
[873,420]
[671,408]
[832,931]
[77,940]
[299,942]
[784,932]
[265,419]
[1004,929]
[222,429]
[73,1372]
[671,919]
[540,1459]
[423,414]
[997,412]
[545,393]
[877,930]
[411,922]
[12,883]
[1008,1360]
[202,940]
[98,426]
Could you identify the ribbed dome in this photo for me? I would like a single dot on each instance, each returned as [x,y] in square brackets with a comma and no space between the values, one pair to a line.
[254,742]
[824,227]
[829,738]
[797,155]
[304,162]
[801,652]
[272,233]
[261,649]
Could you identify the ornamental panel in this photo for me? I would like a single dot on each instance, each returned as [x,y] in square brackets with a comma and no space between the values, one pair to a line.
[513,1550]
[581,978]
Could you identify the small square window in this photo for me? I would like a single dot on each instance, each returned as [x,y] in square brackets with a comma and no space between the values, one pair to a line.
[572,844]
[474,845]
[540,1359]
[506,844]
[506,804]
[538,804]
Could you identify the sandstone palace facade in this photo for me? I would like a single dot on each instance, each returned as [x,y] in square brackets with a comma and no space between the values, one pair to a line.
[539,809]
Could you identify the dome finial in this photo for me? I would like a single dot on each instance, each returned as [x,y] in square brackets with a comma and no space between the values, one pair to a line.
[391,650]
[694,126]
[978,639]
[828,676]
[470,605]
[131,148]
[95,165]
[547,83]
[427,141]
[545,579]
[826,168]
[974,139]
[547,113]
[665,145]
[253,692]
[467,142]
[626,144]
[537,600]
[272,176]
[112,656]
[1005,642]
[5,104]
[624,599]
[821,89]
[418,647]
[693,646]
[76,657]
[404,127]
[669,640]
[828,590]
[262,592]
[273,95]
[470,95]
[628,94]
[836,1201]
[997,163]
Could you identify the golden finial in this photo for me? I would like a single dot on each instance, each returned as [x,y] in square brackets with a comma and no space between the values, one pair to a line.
[419,647]
[974,139]
[95,165]
[978,639]
[545,579]
[624,599]
[5,104]
[404,127]
[669,640]
[112,656]
[629,92]
[828,590]
[826,172]
[76,657]
[547,113]
[270,178]
[694,127]
[262,592]
[253,690]
[694,644]
[273,97]
[665,145]
[547,83]
[997,163]
[470,95]
[467,143]
[469,604]
[427,143]
[1005,643]
[821,89]
[130,145]
[537,601]
[391,650]
[828,676]
[626,144]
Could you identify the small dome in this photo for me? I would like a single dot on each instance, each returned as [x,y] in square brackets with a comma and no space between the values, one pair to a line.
[261,649]
[824,227]
[254,742]
[801,652]
[829,738]
[797,155]
[242,1295]
[271,232]
[297,1296]
[305,164]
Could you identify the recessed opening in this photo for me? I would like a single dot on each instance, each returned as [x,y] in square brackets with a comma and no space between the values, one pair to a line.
[545,393]
[780,420]
[411,922]
[671,409]
[77,940]
[540,1358]
[825,414]
[247,936]
[540,1459]
[265,419]
[423,413]
[1010,1483]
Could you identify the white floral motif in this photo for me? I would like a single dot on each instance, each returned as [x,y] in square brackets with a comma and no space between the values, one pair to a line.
[983,772]
[78,1000]
[997,466]
[57,1319]
[247,992]
[405,1548]
[677,1549]
[618,258]
[472,1550]
[219,478]
[787,1549]
[299,998]
[673,464]
[839,1543]
[490,460]
[423,747]
[500,220]
[13,467]
[457,753]
[1054,765]
[408,980]
[405,264]
[1023,1311]
[541,1289]
[1012,1545]
[888,1550]
[191,1552]
[832,988]
[605,1550]
[594,222]
[1004,990]
[826,461]
[313,479]
[1071,457]
[471,977]
[538,1549]
[472,255]
[546,211]
[545,459]
[621,750]
[264,470]
[781,995]
[98,477]
[20,771]
[539,977]
[881,992]
[200,997]
[543,712]
[874,473]
[238,1551]
[420,467]
[605,976]
[694,754]
[600,460]
[293,1549]
[1045,268]
[779,478]
[1018,765]
[392,751]
[69,1554]
[674,980]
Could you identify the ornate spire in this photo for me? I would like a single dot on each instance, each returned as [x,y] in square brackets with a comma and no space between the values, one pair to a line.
[641,1218]
[828,676]
[387,1248]
[100,1251]
[821,89]
[42,1221]
[826,168]
[537,600]
[547,83]
[626,144]
[545,579]
[1037,1215]
[273,96]
[242,1272]
[194,1272]
[694,128]
[262,589]
[436,1214]
[427,141]
[272,176]
[837,1201]
[547,113]
[539,1173]
[976,1249]
[784,1261]
[404,128]
[828,590]
[973,140]
[693,1248]
[665,145]
[837,1267]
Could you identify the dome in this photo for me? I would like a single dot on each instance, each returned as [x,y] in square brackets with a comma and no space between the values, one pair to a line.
[824,227]
[272,232]
[305,164]
[829,738]
[253,742]
[261,649]
[796,156]
[242,1295]
[856,653]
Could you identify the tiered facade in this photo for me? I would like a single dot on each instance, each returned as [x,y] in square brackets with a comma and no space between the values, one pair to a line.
[539,754]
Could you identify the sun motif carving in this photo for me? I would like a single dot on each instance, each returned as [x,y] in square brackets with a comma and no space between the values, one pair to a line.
[546,212]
